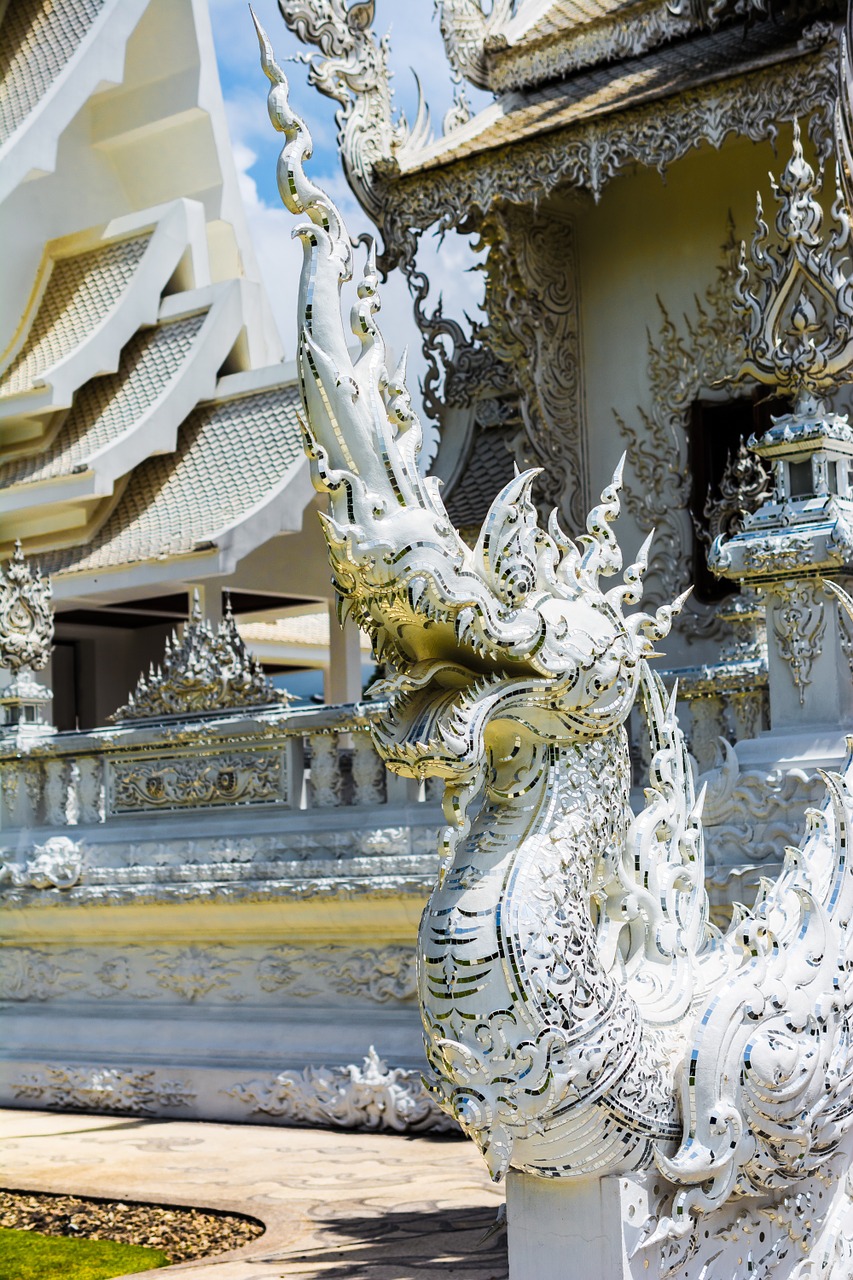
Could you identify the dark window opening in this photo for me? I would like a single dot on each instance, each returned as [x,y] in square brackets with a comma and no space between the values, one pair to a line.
[802,484]
[66,675]
[715,431]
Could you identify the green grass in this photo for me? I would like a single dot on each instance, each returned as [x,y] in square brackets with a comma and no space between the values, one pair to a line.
[27,1255]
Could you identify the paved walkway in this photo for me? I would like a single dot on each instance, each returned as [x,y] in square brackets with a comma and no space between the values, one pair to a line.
[337,1206]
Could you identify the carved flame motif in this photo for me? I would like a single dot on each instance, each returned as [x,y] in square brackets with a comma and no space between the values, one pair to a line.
[581,1015]
[26,616]
[465,28]
[351,67]
[797,299]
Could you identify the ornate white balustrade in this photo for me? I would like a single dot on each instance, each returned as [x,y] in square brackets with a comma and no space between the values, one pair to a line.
[295,760]
[216,915]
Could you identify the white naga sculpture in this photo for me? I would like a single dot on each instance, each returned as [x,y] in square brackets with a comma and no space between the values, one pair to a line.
[584,1021]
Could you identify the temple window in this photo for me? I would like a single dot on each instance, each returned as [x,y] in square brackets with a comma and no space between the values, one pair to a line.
[727,479]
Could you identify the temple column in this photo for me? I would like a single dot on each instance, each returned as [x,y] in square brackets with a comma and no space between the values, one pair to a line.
[342,681]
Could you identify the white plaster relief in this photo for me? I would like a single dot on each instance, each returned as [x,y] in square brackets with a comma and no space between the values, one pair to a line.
[203,973]
[65,1088]
[372,1096]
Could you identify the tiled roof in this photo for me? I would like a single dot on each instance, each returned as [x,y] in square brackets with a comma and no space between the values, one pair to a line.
[564,15]
[663,73]
[229,457]
[309,629]
[80,291]
[105,408]
[37,39]
[488,468]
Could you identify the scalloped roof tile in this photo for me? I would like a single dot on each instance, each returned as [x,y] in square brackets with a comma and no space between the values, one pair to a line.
[107,407]
[230,455]
[37,39]
[310,630]
[488,468]
[80,290]
[565,15]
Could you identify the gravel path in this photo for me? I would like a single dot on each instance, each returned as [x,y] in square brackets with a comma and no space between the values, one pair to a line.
[182,1234]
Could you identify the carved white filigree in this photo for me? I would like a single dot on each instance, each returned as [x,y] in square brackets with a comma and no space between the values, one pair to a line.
[201,671]
[743,486]
[799,623]
[465,28]
[621,35]
[372,1096]
[172,780]
[533,302]
[754,812]
[795,298]
[26,616]
[711,13]
[30,974]
[326,780]
[582,1016]
[64,1088]
[368,772]
[56,864]
[210,974]
[680,366]
[729,698]
[192,973]
[351,67]
[591,154]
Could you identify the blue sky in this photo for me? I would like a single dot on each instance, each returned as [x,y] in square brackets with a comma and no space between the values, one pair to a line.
[415,41]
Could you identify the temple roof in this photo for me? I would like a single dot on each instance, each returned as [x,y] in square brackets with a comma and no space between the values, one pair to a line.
[567,35]
[80,290]
[667,71]
[37,40]
[299,638]
[106,408]
[233,455]
[91,292]
[547,39]
[562,16]
[52,58]
[488,467]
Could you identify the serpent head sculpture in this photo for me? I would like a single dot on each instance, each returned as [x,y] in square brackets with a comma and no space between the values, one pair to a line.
[581,1016]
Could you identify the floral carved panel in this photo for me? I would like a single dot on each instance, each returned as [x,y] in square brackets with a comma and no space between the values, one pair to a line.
[185,780]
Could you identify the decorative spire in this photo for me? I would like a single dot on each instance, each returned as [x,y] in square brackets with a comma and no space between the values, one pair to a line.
[26,616]
[797,297]
[26,643]
[797,301]
[743,486]
[201,672]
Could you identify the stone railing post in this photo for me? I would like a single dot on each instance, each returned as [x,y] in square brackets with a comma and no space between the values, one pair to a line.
[90,789]
[325,771]
[368,771]
[707,714]
[30,793]
[57,773]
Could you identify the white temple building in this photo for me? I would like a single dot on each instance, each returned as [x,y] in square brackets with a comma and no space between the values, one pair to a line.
[209,896]
[149,443]
[211,889]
